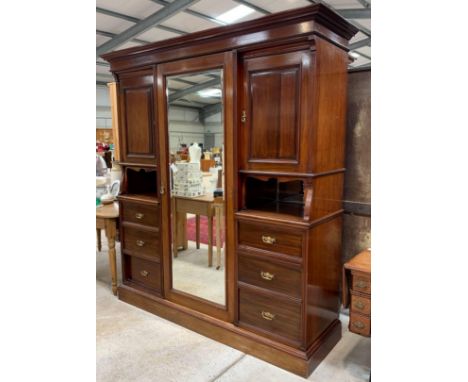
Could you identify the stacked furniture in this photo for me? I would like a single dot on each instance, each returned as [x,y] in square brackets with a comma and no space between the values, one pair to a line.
[357,292]
[284,100]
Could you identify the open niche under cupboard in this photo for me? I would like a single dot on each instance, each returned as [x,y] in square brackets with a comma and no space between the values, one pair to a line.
[231,211]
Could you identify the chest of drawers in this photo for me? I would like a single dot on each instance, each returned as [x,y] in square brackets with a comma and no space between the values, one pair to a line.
[357,292]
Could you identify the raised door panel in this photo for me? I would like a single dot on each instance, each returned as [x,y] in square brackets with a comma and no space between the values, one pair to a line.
[273,115]
[137,102]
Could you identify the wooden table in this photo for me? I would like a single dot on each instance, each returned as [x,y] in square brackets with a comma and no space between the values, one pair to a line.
[357,292]
[201,205]
[106,218]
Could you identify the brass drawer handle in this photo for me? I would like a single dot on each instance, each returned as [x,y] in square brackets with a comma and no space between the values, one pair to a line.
[139,215]
[358,324]
[268,239]
[266,275]
[144,273]
[361,284]
[268,316]
[359,305]
[140,243]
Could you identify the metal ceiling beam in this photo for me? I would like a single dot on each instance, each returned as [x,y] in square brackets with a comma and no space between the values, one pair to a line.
[193,13]
[359,67]
[156,18]
[361,28]
[363,55]
[253,6]
[360,44]
[135,20]
[352,13]
[210,110]
[112,35]
[192,89]
[364,3]
[355,13]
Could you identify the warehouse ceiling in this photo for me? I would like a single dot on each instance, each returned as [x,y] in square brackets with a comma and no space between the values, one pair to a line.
[123,24]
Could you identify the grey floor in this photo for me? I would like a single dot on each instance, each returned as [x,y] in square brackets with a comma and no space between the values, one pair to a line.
[134,345]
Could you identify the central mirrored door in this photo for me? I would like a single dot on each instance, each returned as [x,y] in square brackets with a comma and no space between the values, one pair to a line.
[196,160]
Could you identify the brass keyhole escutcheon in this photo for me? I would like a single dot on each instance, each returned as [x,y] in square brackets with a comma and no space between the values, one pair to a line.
[243,116]
[140,243]
[139,215]
[144,273]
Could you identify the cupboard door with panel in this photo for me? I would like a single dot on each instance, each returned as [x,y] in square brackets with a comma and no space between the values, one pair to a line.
[275,111]
[137,117]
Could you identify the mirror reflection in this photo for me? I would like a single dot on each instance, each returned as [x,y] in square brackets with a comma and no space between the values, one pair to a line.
[196,146]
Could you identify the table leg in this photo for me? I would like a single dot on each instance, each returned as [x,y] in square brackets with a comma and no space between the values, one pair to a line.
[184,230]
[210,240]
[110,234]
[218,236]
[197,229]
[99,243]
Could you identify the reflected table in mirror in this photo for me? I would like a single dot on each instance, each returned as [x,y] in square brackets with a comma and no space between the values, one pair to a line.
[205,205]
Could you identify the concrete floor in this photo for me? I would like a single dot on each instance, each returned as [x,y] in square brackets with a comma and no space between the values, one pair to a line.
[134,345]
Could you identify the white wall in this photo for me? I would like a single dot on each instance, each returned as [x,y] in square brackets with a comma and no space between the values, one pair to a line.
[103,110]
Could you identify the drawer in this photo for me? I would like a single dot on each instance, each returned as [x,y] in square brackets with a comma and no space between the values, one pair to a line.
[140,213]
[361,283]
[359,324]
[141,241]
[360,304]
[270,238]
[268,314]
[143,272]
[269,275]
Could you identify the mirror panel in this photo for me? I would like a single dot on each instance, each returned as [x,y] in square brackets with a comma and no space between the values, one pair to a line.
[196,147]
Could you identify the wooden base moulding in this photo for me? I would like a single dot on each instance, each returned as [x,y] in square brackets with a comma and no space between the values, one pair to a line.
[288,358]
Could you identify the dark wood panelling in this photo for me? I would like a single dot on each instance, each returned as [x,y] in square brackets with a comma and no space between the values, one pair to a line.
[137,135]
[142,272]
[270,238]
[328,142]
[274,99]
[274,102]
[278,276]
[288,72]
[268,314]
[323,277]
[139,213]
[138,240]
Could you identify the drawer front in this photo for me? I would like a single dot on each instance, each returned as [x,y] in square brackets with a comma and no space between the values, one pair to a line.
[270,238]
[141,241]
[268,314]
[269,275]
[360,304]
[140,213]
[359,324]
[361,283]
[143,272]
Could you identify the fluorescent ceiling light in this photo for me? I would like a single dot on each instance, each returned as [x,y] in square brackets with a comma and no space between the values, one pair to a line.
[235,14]
[354,54]
[211,92]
